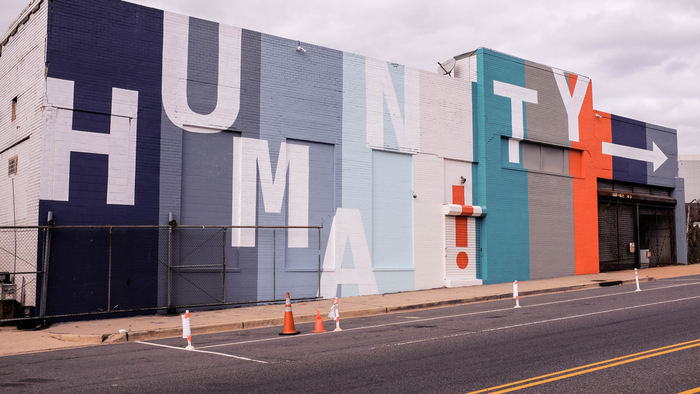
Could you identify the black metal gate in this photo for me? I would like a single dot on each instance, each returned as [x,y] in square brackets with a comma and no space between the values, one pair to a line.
[635,236]
[616,231]
[656,236]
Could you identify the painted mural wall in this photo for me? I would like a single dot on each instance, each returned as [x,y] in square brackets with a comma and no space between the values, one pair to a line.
[541,149]
[148,114]
[162,113]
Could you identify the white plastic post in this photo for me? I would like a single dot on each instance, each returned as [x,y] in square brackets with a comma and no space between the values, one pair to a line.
[186,330]
[515,294]
[636,278]
[335,313]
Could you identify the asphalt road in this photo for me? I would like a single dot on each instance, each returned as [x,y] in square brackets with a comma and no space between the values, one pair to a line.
[606,340]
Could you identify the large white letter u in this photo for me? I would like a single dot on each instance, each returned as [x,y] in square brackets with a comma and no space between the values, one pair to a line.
[175,52]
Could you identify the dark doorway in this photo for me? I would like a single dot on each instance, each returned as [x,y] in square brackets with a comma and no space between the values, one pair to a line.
[656,237]
[632,235]
[616,231]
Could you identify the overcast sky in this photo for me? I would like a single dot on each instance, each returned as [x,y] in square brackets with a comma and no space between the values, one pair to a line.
[643,56]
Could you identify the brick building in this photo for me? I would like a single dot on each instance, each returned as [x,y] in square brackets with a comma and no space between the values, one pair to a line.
[117,114]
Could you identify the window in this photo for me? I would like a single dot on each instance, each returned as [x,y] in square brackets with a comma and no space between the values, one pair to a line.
[12,166]
[14,109]
[545,158]
[553,159]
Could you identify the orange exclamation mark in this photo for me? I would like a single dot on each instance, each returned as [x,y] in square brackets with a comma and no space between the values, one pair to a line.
[461,228]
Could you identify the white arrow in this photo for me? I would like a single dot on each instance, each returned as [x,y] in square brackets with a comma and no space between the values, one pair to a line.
[655,156]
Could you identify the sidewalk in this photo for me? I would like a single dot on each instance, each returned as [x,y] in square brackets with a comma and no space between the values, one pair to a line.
[139,328]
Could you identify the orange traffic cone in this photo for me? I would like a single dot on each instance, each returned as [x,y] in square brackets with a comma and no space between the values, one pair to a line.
[319,323]
[288,319]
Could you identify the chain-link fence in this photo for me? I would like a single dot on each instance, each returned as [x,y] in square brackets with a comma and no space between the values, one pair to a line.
[18,272]
[692,214]
[57,271]
[693,244]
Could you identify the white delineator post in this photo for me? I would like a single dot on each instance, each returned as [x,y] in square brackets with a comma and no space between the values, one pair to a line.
[636,279]
[186,330]
[335,314]
[515,294]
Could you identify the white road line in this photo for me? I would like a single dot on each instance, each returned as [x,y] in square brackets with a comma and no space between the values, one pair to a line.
[449,316]
[543,321]
[203,351]
[614,294]
[270,339]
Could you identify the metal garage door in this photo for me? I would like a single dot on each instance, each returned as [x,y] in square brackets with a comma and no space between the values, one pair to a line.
[616,231]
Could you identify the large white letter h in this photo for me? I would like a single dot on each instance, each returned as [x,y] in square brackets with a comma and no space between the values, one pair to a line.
[60,140]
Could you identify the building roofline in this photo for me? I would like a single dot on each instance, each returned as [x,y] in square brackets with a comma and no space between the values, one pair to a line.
[472,53]
[23,17]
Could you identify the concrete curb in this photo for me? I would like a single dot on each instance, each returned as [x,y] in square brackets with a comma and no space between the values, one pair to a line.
[81,338]
[175,332]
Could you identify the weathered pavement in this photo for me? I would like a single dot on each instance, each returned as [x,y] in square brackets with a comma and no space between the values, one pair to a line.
[138,328]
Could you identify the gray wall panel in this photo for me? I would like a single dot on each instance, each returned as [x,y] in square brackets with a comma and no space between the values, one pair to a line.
[207,178]
[202,65]
[301,100]
[551,207]
[681,227]
[666,140]
[547,120]
[196,169]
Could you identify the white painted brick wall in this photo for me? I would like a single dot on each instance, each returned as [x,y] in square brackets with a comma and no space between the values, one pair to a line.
[429,249]
[689,169]
[22,76]
[446,116]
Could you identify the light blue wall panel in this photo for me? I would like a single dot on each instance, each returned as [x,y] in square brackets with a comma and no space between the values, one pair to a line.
[392,210]
[357,158]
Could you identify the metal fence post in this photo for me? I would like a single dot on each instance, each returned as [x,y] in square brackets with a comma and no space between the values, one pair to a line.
[170,266]
[45,269]
[223,286]
[319,262]
[109,274]
[274,265]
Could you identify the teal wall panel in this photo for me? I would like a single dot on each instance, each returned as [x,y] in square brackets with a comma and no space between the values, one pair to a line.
[502,187]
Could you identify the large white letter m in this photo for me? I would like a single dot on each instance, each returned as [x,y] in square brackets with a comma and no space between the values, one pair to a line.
[250,155]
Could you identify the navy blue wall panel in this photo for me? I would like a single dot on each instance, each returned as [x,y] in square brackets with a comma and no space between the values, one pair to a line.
[102,45]
[632,133]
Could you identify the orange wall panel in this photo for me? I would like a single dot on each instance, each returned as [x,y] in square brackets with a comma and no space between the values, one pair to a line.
[593,164]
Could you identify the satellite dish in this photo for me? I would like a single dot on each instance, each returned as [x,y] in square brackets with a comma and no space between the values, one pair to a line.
[446,67]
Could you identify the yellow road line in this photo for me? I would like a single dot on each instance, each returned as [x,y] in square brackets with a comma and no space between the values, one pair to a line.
[691,391]
[565,373]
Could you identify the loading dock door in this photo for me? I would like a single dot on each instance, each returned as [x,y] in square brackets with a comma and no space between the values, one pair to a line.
[616,231]
[650,229]
[636,214]
[657,235]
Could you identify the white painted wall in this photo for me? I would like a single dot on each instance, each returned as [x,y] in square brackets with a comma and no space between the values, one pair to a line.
[689,169]
[22,76]
[446,150]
